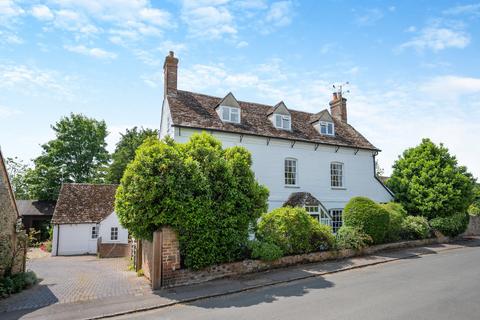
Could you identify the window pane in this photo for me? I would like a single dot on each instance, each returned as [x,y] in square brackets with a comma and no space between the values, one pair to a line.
[278,121]
[226,113]
[336,219]
[323,128]
[286,123]
[290,172]
[336,174]
[234,116]
[330,128]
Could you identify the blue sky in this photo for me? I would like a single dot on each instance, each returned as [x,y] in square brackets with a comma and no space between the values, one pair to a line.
[413,66]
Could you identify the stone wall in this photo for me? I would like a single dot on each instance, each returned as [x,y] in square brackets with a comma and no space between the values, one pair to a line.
[473,227]
[113,250]
[9,238]
[179,277]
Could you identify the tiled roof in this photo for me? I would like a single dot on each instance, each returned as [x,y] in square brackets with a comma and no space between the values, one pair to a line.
[196,110]
[35,207]
[300,199]
[84,203]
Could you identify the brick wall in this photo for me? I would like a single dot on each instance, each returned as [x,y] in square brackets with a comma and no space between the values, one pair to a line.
[170,255]
[113,250]
[9,239]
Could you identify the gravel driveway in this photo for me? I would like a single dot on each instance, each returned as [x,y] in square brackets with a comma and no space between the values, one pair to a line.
[76,278]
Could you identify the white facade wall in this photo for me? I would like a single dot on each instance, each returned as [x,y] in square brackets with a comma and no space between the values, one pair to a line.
[73,239]
[313,168]
[105,230]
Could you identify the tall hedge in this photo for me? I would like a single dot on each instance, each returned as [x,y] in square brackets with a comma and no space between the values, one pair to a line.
[428,181]
[208,194]
[368,216]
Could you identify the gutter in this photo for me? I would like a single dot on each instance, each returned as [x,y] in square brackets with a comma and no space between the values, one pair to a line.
[276,137]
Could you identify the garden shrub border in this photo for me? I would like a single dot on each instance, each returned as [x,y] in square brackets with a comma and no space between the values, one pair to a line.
[181,277]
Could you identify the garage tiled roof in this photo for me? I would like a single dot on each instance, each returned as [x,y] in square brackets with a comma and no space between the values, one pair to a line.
[84,203]
[35,207]
[196,110]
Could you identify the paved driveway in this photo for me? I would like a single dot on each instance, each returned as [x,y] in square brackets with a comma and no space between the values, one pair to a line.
[74,279]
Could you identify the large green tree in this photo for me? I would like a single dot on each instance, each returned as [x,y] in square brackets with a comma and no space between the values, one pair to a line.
[208,194]
[17,171]
[77,155]
[428,181]
[125,151]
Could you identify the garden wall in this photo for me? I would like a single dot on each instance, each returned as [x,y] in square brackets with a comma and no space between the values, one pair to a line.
[113,250]
[473,227]
[172,275]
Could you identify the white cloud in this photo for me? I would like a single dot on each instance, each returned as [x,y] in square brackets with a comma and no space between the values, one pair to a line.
[208,19]
[42,12]
[369,17]
[451,86]
[280,13]
[34,81]
[242,44]
[6,112]
[9,37]
[469,9]
[438,38]
[9,10]
[92,52]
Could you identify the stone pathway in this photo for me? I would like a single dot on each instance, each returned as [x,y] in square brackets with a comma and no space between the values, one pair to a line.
[75,279]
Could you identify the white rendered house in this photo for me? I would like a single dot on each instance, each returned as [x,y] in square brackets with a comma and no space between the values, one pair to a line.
[84,214]
[317,161]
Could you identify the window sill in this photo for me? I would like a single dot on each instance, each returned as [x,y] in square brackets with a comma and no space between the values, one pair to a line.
[339,188]
[292,186]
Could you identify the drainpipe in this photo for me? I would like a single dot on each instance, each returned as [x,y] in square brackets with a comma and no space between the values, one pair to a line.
[58,238]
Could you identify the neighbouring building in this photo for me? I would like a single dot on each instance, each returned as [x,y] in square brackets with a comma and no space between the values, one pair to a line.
[12,248]
[84,222]
[316,160]
[36,214]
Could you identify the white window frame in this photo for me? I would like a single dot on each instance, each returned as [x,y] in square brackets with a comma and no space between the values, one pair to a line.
[319,214]
[285,122]
[231,110]
[114,233]
[289,179]
[329,128]
[337,181]
[337,220]
[94,232]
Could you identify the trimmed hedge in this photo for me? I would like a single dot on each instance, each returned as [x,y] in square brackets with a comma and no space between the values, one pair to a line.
[264,250]
[397,214]
[414,228]
[294,231]
[368,216]
[451,226]
[351,238]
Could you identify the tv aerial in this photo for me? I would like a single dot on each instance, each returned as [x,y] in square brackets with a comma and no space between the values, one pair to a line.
[340,88]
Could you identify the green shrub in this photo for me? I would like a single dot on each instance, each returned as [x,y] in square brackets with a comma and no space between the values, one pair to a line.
[473,210]
[207,194]
[397,214]
[368,216]
[17,283]
[451,226]
[429,182]
[351,238]
[294,231]
[265,251]
[414,228]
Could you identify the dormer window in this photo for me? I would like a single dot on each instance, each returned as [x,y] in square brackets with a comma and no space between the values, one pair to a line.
[230,114]
[327,128]
[283,122]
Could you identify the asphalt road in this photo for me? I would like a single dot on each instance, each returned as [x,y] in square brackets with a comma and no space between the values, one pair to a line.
[435,286]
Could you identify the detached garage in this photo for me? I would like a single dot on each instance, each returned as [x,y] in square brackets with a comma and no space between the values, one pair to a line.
[83,217]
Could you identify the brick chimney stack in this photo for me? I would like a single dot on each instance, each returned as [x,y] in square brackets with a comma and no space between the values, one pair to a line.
[170,74]
[338,107]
